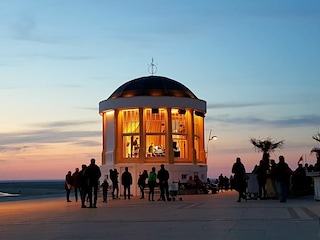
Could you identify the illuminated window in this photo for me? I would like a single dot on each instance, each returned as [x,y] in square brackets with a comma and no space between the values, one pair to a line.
[155,120]
[130,121]
[179,133]
[130,132]
[131,146]
[198,126]
[179,122]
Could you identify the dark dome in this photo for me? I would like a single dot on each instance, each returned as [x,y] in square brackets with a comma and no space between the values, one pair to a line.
[152,86]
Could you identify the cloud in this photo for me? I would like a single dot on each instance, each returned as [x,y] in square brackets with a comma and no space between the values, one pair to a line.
[298,121]
[236,105]
[53,132]
[45,136]
[90,109]
[88,143]
[25,28]
[61,57]
[70,123]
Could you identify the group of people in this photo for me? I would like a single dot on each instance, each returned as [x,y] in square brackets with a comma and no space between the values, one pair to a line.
[86,181]
[144,178]
[224,183]
[280,174]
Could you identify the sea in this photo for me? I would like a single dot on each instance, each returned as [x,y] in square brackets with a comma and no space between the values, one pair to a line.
[17,190]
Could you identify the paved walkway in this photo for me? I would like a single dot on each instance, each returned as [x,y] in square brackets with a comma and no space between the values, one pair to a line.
[199,217]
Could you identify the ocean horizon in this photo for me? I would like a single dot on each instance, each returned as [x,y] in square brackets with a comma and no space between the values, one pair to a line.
[17,190]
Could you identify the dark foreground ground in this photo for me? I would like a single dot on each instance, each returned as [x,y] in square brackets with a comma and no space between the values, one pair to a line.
[212,216]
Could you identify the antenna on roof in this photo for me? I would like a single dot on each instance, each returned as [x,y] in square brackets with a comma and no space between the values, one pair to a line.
[152,68]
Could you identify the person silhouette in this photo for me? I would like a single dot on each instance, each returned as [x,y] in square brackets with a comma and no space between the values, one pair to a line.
[152,178]
[126,181]
[68,185]
[93,174]
[163,176]
[142,182]
[239,179]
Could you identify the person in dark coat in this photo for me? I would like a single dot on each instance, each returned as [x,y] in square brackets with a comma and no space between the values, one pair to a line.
[283,173]
[126,181]
[261,172]
[142,182]
[83,185]
[239,179]
[105,188]
[93,174]
[76,183]
[115,183]
[68,185]
[273,177]
[163,176]
[152,178]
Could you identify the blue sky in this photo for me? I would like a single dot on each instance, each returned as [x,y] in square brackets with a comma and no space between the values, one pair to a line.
[255,63]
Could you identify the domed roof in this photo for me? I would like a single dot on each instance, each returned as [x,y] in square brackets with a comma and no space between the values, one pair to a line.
[152,86]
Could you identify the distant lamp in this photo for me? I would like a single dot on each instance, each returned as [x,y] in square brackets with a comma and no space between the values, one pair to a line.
[211,137]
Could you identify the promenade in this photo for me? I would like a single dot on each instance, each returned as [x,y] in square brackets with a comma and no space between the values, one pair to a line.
[200,217]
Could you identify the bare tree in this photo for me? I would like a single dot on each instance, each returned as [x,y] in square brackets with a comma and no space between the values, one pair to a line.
[266,146]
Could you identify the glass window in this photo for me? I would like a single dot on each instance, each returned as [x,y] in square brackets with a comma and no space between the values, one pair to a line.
[130,121]
[131,146]
[198,126]
[179,122]
[155,132]
[179,133]
[130,132]
[155,120]
[179,146]
[156,145]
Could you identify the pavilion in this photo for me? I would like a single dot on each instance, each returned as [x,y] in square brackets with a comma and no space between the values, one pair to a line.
[150,121]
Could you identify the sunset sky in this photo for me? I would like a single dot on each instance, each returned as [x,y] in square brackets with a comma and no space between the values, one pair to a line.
[255,63]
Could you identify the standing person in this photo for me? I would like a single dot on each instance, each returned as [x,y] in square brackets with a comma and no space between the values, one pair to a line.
[163,176]
[221,182]
[105,187]
[83,185]
[142,182]
[261,172]
[273,167]
[152,178]
[283,173]
[93,174]
[126,181]
[68,185]
[239,179]
[76,183]
[151,150]
[115,183]
[135,145]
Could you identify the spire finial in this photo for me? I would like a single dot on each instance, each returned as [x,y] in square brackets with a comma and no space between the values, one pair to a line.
[152,68]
